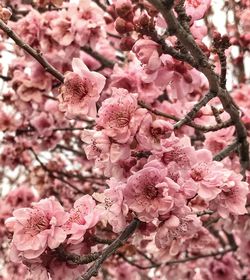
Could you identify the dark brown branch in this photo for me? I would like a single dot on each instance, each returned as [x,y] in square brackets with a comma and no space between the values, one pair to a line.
[206,68]
[111,249]
[5,78]
[34,53]
[184,260]
[190,115]
[216,114]
[192,124]
[227,151]
[103,60]
[219,253]
[76,259]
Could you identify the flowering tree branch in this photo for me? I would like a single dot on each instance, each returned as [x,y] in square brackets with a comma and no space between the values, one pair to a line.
[214,83]
[187,120]
[119,141]
[34,53]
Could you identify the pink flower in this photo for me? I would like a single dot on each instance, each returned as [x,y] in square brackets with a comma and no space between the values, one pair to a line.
[81,90]
[176,229]
[82,217]
[43,123]
[37,228]
[178,78]
[147,192]
[245,20]
[226,268]
[208,174]
[233,197]
[106,153]
[87,22]
[119,116]
[178,150]
[151,132]
[197,8]
[112,208]
[61,29]
[218,140]
[147,51]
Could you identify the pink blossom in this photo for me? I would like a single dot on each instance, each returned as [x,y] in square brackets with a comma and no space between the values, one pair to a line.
[112,208]
[147,192]
[87,22]
[43,123]
[7,121]
[225,269]
[208,174]
[107,154]
[197,8]
[172,233]
[178,150]
[37,227]
[147,51]
[61,29]
[152,131]
[82,217]
[119,116]
[218,140]
[81,90]
[245,20]
[178,78]
[233,197]
[20,197]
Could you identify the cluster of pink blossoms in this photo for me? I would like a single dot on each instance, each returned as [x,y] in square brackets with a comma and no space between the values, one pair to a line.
[98,144]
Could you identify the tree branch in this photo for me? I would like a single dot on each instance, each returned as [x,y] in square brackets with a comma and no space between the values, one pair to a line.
[175,28]
[34,53]
[76,259]
[103,60]
[227,151]
[111,249]
[190,115]
[191,123]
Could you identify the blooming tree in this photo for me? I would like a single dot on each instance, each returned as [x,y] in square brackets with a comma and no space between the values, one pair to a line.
[124,140]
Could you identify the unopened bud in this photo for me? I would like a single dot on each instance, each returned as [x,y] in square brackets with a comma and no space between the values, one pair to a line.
[5,14]
[127,43]
[123,26]
[123,8]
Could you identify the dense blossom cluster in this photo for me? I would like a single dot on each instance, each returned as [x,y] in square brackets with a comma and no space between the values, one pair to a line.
[122,142]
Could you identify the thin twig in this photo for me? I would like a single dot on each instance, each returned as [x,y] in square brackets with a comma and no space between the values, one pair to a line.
[192,124]
[190,115]
[52,175]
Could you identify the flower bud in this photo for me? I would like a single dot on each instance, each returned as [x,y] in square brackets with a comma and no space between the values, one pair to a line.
[127,43]
[5,14]
[123,8]
[123,26]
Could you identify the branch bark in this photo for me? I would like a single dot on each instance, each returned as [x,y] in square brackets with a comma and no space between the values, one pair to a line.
[111,249]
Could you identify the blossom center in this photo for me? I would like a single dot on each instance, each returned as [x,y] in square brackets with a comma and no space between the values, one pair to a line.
[75,89]
[194,3]
[119,119]
[36,223]
[199,172]
[150,192]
